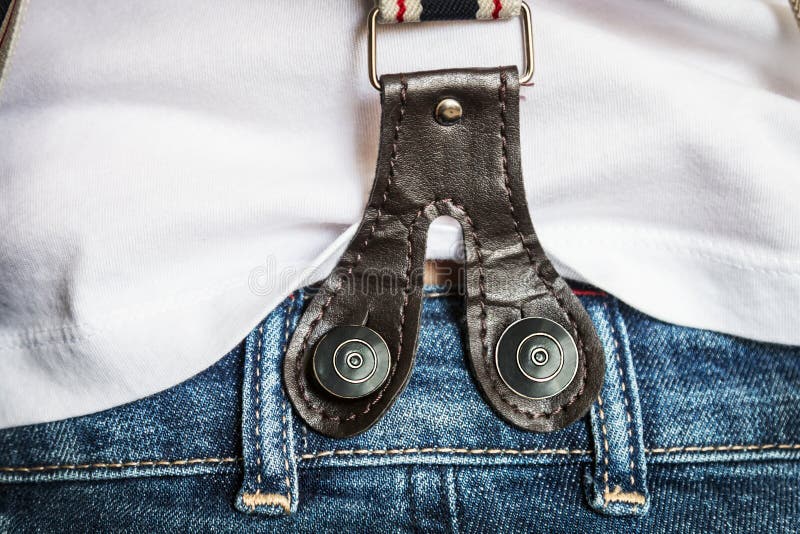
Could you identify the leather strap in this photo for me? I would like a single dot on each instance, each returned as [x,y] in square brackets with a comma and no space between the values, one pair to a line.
[470,171]
[395,11]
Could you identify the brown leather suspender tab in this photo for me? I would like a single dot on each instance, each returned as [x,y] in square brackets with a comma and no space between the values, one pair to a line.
[449,146]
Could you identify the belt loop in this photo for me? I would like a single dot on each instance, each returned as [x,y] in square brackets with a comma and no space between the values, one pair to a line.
[270,484]
[618,484]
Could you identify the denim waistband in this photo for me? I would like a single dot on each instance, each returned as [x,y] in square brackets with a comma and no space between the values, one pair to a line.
[672,395]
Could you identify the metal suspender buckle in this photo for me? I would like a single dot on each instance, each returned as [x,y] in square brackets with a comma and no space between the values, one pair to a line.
[527,41]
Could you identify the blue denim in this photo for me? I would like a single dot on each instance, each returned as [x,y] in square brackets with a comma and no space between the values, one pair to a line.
[694,431]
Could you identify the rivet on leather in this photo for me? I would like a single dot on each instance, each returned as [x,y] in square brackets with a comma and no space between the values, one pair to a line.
[531,346]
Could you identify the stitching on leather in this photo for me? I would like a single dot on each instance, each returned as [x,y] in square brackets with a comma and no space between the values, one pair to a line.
[625,394]
[403,308]
[444,450]
[483,331]
[121,465]
[390,181]
[605,445]
[537,268]
[504,160]
[304,345]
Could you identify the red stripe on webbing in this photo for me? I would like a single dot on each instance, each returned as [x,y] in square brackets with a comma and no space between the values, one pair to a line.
[589,293]
[401,10]
[498,5]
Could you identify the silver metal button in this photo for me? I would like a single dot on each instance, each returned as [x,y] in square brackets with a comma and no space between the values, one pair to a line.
[351,362]
[536,357]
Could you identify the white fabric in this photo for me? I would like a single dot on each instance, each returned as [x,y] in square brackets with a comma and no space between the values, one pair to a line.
[171,170]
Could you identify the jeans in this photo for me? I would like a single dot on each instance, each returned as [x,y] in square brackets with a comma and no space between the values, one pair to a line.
[694,431]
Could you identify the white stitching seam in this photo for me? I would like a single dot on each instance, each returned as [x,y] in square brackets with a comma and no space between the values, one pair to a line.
[442,450]
[605,445]
[258,408]
[624,389]
[394,452]
[284,409]
[531,452]
[120,465]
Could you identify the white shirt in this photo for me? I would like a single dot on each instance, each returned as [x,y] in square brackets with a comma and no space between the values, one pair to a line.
[169,171]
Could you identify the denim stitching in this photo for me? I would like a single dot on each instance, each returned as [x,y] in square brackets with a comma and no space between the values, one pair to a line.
[539,452]
[256,499]
[452,497]
[253,500]
[605,447]
[614,337]
[443,450]
[288,480]
[258,407]
[396,452]
[723,448]
[304,430]
[121,465]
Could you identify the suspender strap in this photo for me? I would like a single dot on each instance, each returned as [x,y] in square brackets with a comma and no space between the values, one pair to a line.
[394,11]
